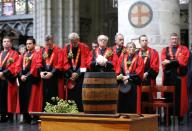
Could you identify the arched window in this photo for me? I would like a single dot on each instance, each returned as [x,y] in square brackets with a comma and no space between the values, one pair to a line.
[15,7]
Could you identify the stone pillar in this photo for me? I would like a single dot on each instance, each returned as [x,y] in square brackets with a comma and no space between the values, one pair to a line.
[58,18]
[71,17]
[96,19]
[155,18]
[190,23]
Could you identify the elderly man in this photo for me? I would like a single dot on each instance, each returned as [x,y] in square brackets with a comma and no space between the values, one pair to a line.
[118,50]
[74,65]
[174,60]
[102,57]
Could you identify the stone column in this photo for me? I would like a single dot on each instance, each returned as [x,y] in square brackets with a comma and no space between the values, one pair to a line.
[96,19]
[190,23]
[57,18]
[165,19]
[71,15]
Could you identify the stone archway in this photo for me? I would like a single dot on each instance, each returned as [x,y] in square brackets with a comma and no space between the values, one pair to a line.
[29,29]
[13,34]
[18,31]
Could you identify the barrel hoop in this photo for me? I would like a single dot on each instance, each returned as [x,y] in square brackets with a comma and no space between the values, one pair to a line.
[99,75]
[100,107]
[99,81]
[99,102]
[100,86]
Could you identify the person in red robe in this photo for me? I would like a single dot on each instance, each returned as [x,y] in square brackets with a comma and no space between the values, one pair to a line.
[151,61]
[30,91]
[8,86]
[51,65]
[151,65]
[74,65]
[101,59]
[174,61]
[118,50]
[130,78]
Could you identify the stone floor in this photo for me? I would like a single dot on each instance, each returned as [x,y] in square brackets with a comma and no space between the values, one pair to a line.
[26,127]
[18,127]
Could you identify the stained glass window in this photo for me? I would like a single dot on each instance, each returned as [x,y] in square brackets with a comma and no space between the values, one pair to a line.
[30,6]
[8,7]
[20,7]
[15,7]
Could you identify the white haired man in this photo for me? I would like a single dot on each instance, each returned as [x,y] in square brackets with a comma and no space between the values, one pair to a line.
[102,57]
[74,65]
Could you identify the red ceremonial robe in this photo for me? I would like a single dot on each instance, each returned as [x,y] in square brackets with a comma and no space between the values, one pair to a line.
[108,54]
[84,52]
[75,61]
[51,62]
[151,65]
[30,90]
[179,60]
[135,71]
[7,66]
[117,54]
[61,79]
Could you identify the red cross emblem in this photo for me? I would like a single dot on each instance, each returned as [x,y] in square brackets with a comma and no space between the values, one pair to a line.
[140,14]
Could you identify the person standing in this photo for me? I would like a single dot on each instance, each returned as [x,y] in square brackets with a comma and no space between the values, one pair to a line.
[74,65]
[94,45]
[30,91]
[22,49]
[101,59]
[118,50]
[130,78]
[8,86]
[151,61]
[49,71]
[174,61]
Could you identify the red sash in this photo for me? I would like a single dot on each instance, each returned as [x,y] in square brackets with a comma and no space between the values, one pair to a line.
[172,56]
[26,60]
[129,68]
[49,60]
[97,51]
[114,49]
[145,57]
[5,59]
[75,61]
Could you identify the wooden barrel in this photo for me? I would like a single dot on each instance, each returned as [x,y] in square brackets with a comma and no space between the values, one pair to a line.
[100,93]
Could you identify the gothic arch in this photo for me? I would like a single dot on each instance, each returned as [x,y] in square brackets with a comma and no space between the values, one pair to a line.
[6,27]
[19,27]
[7,30]
[29,29]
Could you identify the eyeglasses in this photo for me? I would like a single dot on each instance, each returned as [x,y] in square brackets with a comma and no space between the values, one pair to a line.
[102,39]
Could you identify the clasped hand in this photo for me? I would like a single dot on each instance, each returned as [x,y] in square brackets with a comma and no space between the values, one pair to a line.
[46,75]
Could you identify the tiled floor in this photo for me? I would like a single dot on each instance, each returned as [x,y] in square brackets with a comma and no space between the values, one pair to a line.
[26,127]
